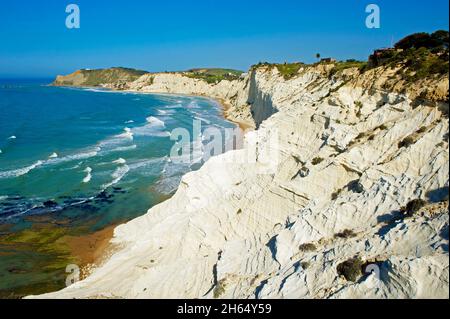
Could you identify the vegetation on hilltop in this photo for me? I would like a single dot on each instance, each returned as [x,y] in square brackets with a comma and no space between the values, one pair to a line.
[342,65]
[436,41]
[86,77]
[112,75]
[417,56]
[287,70]
[214,75]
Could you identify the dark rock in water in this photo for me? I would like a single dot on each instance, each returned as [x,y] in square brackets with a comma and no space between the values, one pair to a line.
[104,195]
[7,204]
[87,207]
[104,201]
[101,195]
[16,198]
[8,213]
[50,203]
[118,190]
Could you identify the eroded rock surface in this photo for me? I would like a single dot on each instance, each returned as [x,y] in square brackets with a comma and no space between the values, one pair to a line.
[276,218]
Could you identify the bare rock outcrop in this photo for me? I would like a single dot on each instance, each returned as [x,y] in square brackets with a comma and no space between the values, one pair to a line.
[319,203]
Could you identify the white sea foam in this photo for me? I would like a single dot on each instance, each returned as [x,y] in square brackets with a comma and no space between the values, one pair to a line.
[20,171]
[171,177]
[155,121]
[120,161]
[74,157]
[127,134]
[174,106]
[129,122]
[112,143]
[192,105]
[72,167]
[12,137]
[124,148]
[148,167]
[166,111]
[118,174]
[88,177]
[98,90]
[168,185]
[150,131]
[154,127]
[54,155]
[3,198]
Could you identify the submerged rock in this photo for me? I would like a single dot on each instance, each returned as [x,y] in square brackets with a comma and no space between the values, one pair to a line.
[50,204]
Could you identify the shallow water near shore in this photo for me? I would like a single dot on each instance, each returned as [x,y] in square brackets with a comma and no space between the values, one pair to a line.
[77,161]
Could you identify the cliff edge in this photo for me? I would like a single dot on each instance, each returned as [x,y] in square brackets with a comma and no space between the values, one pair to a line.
[341,192]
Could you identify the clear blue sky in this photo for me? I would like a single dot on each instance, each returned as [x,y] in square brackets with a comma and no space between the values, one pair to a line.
[176,35]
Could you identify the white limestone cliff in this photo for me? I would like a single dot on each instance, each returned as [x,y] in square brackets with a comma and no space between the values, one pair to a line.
[277,218]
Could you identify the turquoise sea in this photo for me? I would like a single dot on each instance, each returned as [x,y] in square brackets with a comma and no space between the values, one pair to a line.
[74,161]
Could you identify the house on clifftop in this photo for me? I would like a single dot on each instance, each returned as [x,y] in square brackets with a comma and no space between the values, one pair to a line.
[381,55]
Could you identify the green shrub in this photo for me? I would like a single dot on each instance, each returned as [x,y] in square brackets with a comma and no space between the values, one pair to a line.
[307,247]
[305,265]
[419,56]
[423,129]
[289,70]
[408,141]
[347,233]
[212,76]
[351,269]
[219,290]
[112,75]
[336,194]
[340,66]
[438,39]
[317,161]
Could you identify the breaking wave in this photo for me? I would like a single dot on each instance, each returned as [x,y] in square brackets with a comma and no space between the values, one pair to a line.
[88,177]
[117,176]
[21,171]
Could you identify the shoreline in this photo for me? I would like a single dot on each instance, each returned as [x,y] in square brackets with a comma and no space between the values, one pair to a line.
[224,105]
[244,126]
[95,249]
[92,250]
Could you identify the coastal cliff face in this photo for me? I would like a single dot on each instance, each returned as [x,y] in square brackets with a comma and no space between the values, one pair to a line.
[350,201]
[232,93]
[118,76]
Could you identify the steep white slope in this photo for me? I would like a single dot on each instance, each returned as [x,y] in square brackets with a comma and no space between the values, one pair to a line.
[262,221]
